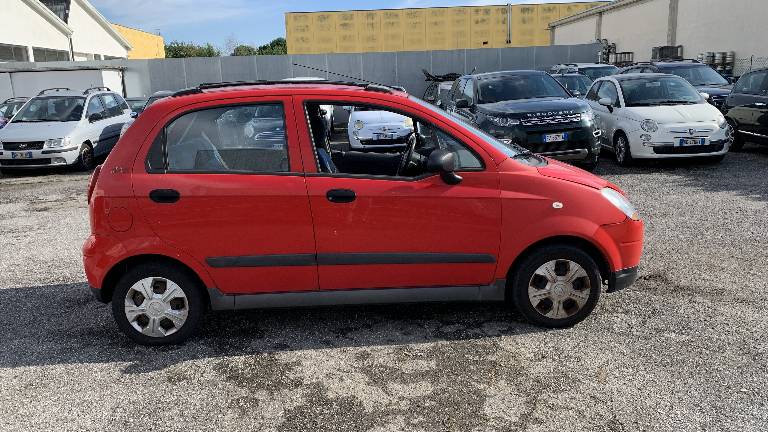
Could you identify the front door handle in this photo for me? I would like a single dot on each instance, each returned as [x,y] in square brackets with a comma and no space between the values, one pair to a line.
[341,196]
[164,196]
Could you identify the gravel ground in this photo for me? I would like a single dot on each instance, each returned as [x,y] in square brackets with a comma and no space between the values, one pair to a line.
[683,349]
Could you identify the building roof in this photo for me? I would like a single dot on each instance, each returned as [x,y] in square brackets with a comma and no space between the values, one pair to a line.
[63,27]
[594,11]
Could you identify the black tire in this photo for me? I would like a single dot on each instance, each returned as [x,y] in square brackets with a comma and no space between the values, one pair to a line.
[738,141]
[523,278]
[622,151]
[85,160]
[188,284]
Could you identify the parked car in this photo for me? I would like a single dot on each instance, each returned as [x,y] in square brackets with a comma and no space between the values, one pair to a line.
[9,108]
[378,130]
[168,241]
[592,70]
[577,84]
[156,96]
[655,116]
[700,75]
[136,104]
[747,109]
[530,109]
[438,87]
[61,127]
[327,111]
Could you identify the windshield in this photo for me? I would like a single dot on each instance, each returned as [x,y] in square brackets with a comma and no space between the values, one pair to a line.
[510,150]
[699,75]
[663,90]
[513,87]
[573,83]
[598,72]
[52,109]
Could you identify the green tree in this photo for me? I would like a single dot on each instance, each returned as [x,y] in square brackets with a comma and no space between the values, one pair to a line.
[245,50]
[275,47]
[178,49]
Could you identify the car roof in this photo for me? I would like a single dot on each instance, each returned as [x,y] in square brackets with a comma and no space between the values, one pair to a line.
[629,76]
[486,75]
[584,65]
[570,74]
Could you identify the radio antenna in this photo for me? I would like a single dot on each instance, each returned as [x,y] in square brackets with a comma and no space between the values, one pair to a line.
[348,76]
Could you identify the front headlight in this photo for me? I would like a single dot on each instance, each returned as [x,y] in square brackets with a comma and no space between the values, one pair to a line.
[722,122]
[503,121]
[649,125]
[359,124]
[621,203]
[57,143]
[588,115]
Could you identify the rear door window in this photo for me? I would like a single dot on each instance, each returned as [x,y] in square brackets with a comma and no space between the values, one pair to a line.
[111,105]
[235,139]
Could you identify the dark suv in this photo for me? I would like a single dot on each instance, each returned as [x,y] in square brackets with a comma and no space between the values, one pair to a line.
[747,109]
[701,76]
[529,109]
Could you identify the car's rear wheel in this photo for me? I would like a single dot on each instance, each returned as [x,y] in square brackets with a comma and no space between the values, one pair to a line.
[556,286]
[157,304]
[85,160]
[622,151]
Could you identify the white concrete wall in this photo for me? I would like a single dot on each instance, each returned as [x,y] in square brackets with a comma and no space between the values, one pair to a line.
[90,37]
[637,28]
[723,25]
[30,83]
[5,87]
[577,32]
[21,25]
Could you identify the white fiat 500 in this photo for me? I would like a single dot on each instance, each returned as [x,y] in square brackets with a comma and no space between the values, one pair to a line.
[378,130]
[61,127]
[654,116]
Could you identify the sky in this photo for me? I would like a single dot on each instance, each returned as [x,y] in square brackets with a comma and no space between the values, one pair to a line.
[252,22]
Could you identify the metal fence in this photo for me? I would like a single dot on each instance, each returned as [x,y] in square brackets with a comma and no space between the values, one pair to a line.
[144,77]
[744,65]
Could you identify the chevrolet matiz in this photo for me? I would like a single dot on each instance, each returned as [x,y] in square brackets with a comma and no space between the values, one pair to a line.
[194,210]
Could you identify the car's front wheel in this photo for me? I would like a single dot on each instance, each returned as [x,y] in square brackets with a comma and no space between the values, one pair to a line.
[157,304]
[556,286]
[622,151]
[85,160]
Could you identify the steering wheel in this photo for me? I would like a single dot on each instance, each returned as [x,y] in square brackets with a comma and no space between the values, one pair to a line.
[407,154]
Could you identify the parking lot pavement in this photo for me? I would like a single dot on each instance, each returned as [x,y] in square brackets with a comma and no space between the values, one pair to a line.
[683,349]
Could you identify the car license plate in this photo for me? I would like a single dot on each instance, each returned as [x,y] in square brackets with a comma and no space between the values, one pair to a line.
[384,136]
[21,155]
[682,142]
[548,138]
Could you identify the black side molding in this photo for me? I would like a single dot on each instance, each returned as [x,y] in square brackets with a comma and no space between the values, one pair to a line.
[329,259]
[294,260]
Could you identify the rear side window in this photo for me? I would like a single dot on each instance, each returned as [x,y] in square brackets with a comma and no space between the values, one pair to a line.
[111,105]
[754,83]
[235,139]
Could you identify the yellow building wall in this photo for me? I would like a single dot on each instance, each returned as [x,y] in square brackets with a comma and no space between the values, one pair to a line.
[424,29]
[143,45]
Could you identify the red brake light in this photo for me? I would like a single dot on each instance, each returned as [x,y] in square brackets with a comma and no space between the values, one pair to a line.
[92,182]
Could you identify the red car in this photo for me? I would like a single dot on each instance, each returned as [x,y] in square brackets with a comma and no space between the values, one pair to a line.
[233,196]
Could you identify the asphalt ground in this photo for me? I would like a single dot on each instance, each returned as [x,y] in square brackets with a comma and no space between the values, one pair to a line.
[683,349]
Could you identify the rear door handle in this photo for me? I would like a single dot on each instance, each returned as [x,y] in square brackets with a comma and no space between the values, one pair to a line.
[164,196]
[341,196]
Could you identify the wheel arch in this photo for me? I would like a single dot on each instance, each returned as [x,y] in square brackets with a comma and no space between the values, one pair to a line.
[117,271]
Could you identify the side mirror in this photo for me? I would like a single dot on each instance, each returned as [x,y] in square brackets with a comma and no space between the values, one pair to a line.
[463,103]
[323,112]
[704,95]
[444,162]
[606,102]
[134,114]
[95,117]
[576,93]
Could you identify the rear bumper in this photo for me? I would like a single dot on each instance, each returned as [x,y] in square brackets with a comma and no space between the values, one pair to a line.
[621,279]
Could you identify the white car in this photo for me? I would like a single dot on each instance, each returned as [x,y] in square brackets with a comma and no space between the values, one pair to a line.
[378,130]
[657,116]
[61,127]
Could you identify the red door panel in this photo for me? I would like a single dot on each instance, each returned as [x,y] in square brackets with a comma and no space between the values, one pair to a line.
[252,231]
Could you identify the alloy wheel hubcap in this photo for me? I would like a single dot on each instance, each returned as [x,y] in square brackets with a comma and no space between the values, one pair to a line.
[620,148]
[559,289]
[156,307]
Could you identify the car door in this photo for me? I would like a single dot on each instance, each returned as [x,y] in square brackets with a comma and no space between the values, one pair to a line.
[95,121]
[749,104]
[599,110]
[224,184]
[378,231]
[608,115]
[110,128]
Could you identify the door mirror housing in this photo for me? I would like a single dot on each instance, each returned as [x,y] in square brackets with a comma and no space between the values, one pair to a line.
[576,93]
[444,162]
[704,95]
[134,114]
[606,102]
[95,117]
[463,103]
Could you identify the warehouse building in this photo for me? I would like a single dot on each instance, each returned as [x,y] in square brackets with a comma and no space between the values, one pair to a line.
[57,30]
[144,45]
[426,29]
[698,26]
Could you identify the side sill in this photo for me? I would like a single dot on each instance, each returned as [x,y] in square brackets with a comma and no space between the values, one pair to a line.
[487,293]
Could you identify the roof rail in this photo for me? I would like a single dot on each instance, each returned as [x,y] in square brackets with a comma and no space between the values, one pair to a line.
[15,99]
[53,89]
[209,86]
[671,60]
[93,89]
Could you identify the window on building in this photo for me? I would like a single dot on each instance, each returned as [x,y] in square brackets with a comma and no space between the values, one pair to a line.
[49,55]
[59,7]
[11,53]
